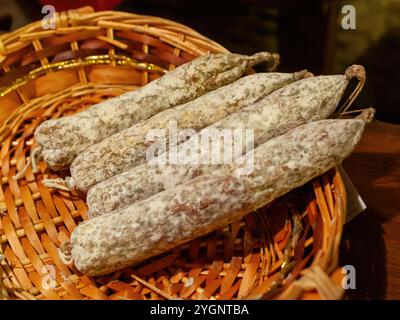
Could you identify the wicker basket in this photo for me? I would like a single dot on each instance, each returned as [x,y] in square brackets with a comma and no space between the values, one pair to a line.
[288,250]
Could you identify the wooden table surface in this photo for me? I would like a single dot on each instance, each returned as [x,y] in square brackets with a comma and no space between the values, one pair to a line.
[371,241]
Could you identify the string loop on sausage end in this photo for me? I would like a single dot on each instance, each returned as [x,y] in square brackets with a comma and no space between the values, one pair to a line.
[65,253]
[302,74]
[358,72]
[367,115]
[34,157]
[364,114]
[58,183]
[272,59]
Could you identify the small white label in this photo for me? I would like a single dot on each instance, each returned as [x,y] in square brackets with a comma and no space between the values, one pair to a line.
[355,203]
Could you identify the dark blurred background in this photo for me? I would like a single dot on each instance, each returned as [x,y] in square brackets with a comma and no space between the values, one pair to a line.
[307,34]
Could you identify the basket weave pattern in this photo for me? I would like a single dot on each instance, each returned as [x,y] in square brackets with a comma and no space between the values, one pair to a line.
[285,250]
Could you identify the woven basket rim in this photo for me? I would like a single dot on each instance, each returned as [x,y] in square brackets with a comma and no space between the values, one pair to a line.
[86,13]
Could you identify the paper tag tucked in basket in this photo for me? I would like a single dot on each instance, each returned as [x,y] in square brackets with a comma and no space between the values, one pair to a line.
[355,203]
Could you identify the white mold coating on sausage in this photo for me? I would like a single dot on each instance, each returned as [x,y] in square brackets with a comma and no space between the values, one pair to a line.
[299,102]
[62,139]
[211,201]
[127,149]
